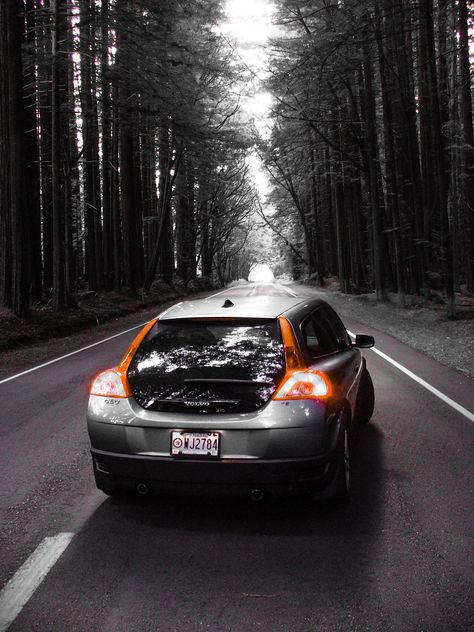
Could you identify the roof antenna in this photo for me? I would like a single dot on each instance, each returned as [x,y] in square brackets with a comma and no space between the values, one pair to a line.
[228,303]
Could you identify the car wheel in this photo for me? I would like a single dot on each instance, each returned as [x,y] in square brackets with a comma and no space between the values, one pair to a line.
[365,398]
[341,491]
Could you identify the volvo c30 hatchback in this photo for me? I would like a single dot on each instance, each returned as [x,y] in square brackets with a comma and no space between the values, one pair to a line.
[256,395]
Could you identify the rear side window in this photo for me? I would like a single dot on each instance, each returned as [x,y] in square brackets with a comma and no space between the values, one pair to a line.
[319,338]
[332,320]
[208,366]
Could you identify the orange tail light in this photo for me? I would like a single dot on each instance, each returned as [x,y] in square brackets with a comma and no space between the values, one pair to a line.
[114,382]
[299,381]
[306,384]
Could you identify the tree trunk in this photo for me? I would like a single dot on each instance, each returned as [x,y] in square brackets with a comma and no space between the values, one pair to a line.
[59,287]
[319,262]
[32,179]
[394,197]
[373,157]
[331,230]
[127,198]
[5,219]
[185,229]
[439,156]
[115,195]
[92,201]
[162,250]
[206,265]
[466,113]
[106,113]
[129,170]
[11,22]
[43,26]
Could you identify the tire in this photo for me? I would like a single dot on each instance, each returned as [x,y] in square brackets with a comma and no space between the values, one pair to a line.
[365,398]
[341,494]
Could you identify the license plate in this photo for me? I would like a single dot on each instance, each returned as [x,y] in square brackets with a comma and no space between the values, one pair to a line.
[195,443]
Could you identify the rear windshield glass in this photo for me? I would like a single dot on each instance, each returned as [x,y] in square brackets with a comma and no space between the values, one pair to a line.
[224,365]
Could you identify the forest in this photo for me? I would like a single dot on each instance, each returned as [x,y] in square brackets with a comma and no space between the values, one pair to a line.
[124,148]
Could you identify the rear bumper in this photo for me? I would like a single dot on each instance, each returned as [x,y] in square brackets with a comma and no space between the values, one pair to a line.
[203,476]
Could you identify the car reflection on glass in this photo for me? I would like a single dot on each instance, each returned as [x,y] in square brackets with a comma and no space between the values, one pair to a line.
[257,395]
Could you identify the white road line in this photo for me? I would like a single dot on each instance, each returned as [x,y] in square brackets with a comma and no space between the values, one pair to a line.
[68,355]
[254,287]
[17,592]
[290,292]
[228,289]
[447,400]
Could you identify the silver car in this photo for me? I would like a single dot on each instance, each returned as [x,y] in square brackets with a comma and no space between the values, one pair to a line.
[248,395]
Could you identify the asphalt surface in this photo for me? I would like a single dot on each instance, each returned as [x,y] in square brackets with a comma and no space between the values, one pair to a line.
[399,558]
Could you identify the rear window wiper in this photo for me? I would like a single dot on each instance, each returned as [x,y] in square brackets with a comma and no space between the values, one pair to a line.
[220,380]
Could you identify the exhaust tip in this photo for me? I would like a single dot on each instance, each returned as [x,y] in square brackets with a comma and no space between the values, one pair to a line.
[256,495]
[143,488]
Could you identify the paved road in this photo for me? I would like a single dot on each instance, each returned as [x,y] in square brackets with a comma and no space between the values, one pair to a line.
[400,558]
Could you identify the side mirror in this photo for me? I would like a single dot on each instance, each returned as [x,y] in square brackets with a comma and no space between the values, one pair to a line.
[364,342]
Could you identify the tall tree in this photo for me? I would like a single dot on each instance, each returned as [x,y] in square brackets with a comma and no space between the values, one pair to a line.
[90,136]
[58,93]
[13,135]
[468,134]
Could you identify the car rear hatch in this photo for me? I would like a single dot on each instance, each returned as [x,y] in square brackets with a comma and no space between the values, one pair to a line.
[208,365]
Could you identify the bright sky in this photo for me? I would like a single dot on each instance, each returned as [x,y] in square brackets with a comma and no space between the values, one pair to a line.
[249,21]
[249,26]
